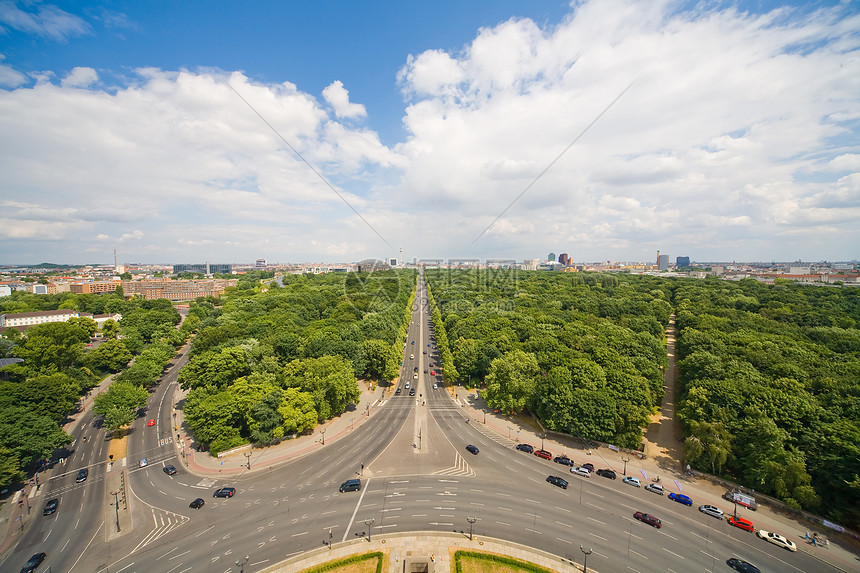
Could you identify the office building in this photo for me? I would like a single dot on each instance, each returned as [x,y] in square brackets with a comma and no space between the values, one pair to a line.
[206,269]
[663,263]
[681,262]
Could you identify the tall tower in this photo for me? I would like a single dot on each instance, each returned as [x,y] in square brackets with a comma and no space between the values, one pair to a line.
[658,257]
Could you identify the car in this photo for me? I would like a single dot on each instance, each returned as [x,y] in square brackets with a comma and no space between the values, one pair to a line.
[425,371]
[580,471]
[655,487]
[681,498]
[151,422]
[412,392]
[740,522]
[350,485]
[543,454]
[143,463]
[526,448]
[555,480]
[606,473]
[632,481]
[224,492]
[425,352]
[564,460]
[776,539]
[742,566]
[712,511]
[432,373]
[407,384]
[412,357]
[588,466]
[397,392]
[428,345]
[34,562]
[51,506]
[82,475]
[435,385]
[472,449]
[169,470]
[649,519]
[415,376]
[415,369]
[413,342]
[197,503]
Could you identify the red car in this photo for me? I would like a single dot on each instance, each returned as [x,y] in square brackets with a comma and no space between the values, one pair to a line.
[649,519]
[151,422]
[543,454]
[741,522]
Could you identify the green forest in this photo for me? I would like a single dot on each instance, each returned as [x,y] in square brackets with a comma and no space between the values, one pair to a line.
[274,362]
[60,366]
[770,392]
[584,353]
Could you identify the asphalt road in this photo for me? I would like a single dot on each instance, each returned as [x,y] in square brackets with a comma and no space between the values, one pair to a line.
[416,475]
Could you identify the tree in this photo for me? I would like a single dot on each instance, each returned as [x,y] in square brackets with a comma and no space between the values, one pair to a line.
[111,356]
[10,467]
[52,395]
[52,347]
[29,435]
[297,410]
[110,328]
[119,404]
[381,359]
[511,381]
[86,324]
[329,379]
[215,368]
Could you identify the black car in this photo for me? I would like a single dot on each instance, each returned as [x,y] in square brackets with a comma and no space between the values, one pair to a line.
[564,460]
[350,485]
[588,466]
[397,392]
[607,474]
[197,503]
[82,475]
[412,392]
[34,562]
[742,566]
[526,448]
[415,369]
[555,480]
[169,470]
[224,492]
[472,449]
[51,506]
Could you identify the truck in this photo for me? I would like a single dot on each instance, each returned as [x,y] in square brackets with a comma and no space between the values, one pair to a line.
[742,499]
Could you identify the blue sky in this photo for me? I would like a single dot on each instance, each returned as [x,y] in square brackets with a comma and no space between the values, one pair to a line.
[120,128]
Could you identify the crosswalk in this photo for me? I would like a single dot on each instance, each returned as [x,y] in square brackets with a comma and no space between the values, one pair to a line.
[460,468]
[164,522]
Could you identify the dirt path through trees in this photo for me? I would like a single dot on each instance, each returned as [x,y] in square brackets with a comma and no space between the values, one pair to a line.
[663,441]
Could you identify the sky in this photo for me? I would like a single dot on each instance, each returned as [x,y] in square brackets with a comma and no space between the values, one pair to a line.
[339,131]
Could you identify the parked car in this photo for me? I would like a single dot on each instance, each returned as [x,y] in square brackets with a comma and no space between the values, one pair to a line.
[606,473]
[589,466]
[472,449]
[632,481]
[712,511]
[350,485]
[34,562]
[655,487]
[224,492]
[742,566]
[776,539]
[82,475]
[169,470]
[580,471]
[681,498]
[197,503]
[526,448]
[543,454]
[740,522]
[649,519]
[564,460]
[555,480]
[51,506]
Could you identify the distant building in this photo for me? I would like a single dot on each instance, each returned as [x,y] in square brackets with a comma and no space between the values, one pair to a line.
[663,263]
[682,262]
[392,262]
[206,269]
[177,290]
[5,290]
[25,319]
[260,264]
[564,259]
[93,287]
[551,257]
[37,288]
[531,264]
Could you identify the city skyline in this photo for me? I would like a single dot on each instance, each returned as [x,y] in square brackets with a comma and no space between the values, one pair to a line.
[608,130]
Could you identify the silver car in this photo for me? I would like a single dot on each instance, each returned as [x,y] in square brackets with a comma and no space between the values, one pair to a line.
[580,471]
[712,511]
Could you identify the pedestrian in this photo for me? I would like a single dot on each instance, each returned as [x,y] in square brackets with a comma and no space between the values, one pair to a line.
[813,541]
[806,536]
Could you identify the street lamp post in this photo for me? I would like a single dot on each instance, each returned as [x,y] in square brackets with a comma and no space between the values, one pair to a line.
[369,523]
[323,435]
[241,565]
[509,432]
[586,553]
[471,521]
[625,460]
[248,458]
[115,495]
[542,436]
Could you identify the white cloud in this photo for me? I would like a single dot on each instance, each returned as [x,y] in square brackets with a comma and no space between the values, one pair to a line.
[338,98]
[80,78]
[10,77]
[46,20]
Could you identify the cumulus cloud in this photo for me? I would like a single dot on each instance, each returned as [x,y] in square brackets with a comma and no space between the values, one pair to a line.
[10,77]
[80,78]
[338,98]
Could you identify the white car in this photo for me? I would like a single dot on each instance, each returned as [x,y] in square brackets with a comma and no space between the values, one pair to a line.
[711,510]
[580,471]
[411,356]
[655,487]
[143,463]
[435,386]
[777,539]
[632,481]
[415,376]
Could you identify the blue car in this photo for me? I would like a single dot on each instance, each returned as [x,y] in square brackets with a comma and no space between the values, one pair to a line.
[681,498]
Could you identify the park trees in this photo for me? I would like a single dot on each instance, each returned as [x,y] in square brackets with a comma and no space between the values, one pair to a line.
[119,404]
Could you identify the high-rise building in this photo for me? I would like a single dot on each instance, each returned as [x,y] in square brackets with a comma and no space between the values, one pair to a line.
[564,259]
[551,257]
[681,262]
[260,264]
[663,263]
